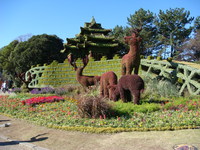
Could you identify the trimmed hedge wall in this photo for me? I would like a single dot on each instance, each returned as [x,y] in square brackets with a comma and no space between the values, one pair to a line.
[58,74]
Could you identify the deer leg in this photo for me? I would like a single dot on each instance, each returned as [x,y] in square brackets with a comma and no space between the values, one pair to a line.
[136,94]
[123,69]
[136,69]
[129,71]
[121,91]
[101,90]
[106,94]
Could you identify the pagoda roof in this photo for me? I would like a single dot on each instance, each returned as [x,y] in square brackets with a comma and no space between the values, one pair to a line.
[91,44]
[99,38]
[91,30]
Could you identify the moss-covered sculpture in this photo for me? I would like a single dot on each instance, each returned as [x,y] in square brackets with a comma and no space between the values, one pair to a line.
[85,81]
[132,59]
[108,78]
[128,85]
[93,40]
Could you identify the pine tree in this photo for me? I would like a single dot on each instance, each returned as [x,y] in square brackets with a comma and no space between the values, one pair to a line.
[171,26]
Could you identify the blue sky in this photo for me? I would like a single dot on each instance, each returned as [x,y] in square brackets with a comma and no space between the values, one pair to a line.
[65,17]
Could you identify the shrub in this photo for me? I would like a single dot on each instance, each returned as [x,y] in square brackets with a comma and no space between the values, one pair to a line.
[169,59]
[154,89]
[93,91]
[128,109]
[60,91]
[93,107]
[159,58]
[24,88]
[149,57]
[45,90]
[16,90]
[141,56]
[70,88]
[35,91]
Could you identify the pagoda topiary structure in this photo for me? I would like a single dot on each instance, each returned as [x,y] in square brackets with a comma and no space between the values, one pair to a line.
[93,40]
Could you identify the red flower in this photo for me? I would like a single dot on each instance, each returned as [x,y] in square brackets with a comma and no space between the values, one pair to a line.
[39,100]
[23,102]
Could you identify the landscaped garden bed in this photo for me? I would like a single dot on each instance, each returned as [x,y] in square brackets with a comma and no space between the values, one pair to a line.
[63,113]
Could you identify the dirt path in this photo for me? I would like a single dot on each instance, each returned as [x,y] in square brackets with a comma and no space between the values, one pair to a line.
[64,140]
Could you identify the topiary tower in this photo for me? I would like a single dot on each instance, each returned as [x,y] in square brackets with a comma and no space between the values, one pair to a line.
[93,40]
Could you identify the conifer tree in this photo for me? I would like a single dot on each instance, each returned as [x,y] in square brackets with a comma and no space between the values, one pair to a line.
[171,26]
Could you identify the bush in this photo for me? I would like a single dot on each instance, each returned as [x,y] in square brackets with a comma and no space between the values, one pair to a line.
[93,107]
[16,90]
[169,59]
[141,56]
[128,109]
[154,89]
[159,58]
[45,90]
[149,57]
[60,91]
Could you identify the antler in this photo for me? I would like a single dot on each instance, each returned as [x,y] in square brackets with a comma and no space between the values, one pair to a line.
[85,61]
[136,31]
[71,60]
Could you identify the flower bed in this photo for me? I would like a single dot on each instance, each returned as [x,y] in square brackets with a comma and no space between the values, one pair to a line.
[176,114]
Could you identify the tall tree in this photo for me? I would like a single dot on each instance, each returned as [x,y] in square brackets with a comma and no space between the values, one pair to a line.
[190,50]
[38,49]
[144,20]
[18,57]
[6,64]
[171,26]
[119,32]
[197,23]
[24,37]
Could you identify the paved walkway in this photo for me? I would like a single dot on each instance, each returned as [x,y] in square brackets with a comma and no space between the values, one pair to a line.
[39,138]
[7,144]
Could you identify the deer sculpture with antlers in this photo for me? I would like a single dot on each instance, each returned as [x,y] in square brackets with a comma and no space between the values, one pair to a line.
[85,81]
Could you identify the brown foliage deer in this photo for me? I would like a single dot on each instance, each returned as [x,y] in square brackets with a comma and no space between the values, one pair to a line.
[128,85]
[108,78]
[85,81]
[132,59]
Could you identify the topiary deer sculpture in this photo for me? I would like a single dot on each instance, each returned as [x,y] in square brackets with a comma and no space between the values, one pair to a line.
[128,86]
[132,59]
[85,81]
[107,79]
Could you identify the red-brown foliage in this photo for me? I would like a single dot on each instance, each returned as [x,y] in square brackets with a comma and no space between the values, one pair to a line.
[128,85]
[85,81]
[132,59]
[108,78]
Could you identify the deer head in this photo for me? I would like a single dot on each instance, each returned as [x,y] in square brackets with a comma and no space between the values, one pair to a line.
[72,62]
[133,39]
